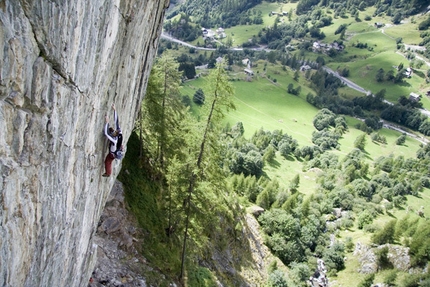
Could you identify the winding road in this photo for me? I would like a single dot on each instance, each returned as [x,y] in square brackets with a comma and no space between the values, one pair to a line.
[346,81]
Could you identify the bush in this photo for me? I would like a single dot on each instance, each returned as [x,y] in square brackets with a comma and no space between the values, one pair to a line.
[364,219]
[199,97]
[386,234]
[186,100]
[367,281]
[382,258]
[420,245]
[201,276]
[424,24]
[333,258]
[277,279]
[401,139]
[390,278]
[360,142]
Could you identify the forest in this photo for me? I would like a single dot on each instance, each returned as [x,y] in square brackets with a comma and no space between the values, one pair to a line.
[172,151]
[197,173]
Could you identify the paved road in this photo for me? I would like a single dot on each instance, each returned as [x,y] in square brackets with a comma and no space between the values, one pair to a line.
[349,83]
[391,126]
[362,90]
[170,38]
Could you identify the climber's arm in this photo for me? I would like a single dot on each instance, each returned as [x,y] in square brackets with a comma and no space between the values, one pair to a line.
[115,114]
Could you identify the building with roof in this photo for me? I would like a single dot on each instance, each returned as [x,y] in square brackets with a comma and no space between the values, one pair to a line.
[414,97]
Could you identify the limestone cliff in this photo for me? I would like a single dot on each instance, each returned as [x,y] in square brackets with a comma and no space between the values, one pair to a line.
[62,65]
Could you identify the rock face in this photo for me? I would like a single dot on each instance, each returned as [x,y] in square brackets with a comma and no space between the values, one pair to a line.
[119,262]
[319,278]
[397,255]
[63,63]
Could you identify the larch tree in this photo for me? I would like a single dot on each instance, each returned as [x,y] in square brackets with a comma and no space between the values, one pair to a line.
[202,165]
[161,122]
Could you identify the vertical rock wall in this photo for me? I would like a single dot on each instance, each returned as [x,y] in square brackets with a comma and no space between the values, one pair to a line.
[62,65]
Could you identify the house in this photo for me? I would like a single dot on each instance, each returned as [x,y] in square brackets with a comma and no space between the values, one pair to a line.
[414,97]
[249,72]
[290,47]
[284,13]
[219,59]
[336,46]
[207,33]
[408,72]
[379,25]
[247,62]
[220,33]
[305,68]
[324,46]
[316,46]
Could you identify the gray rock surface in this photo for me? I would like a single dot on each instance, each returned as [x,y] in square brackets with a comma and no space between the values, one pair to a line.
[319,278]
[119,262]
[397,255]
[366,257]
[62,65]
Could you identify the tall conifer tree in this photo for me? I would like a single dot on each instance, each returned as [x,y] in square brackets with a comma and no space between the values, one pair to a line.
[204,165]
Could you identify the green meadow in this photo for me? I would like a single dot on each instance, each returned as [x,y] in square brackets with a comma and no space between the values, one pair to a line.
[363,64]
[408,30]
[363,73]
[242,33]
[261,103]
[264,104]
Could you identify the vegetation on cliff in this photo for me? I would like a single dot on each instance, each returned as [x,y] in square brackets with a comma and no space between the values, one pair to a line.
[331,181]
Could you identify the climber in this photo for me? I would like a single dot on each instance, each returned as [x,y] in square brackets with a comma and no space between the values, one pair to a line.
[115,143]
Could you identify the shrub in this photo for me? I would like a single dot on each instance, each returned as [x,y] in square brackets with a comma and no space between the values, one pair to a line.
[199,97]
[382,258]
[364,219]
[390,278]
[277,279]
[386,234]
[367,281]
[401,139]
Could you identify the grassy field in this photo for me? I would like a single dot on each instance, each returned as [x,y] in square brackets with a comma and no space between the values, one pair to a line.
[362,63]
[264,103]
[261,103]
[382,53]
[242,33]
[407,30]
[363,73]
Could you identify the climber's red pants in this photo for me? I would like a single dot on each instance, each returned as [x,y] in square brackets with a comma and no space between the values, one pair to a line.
[108,163]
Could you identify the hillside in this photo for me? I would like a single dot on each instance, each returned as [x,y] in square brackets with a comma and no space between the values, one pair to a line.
[332,179]
[278,111]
